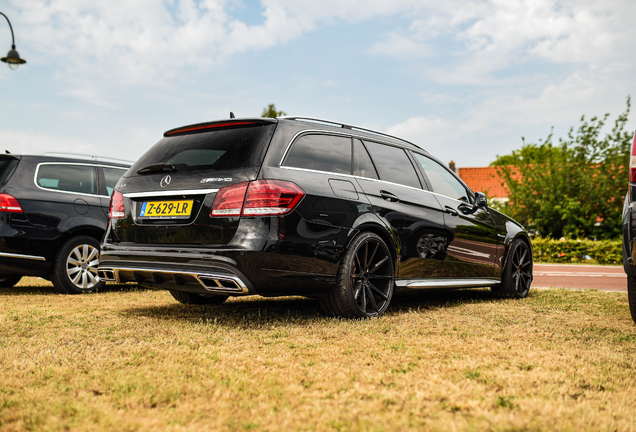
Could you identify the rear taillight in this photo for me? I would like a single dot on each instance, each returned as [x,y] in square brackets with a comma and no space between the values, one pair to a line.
[9,204]
[229,200]
[257,198]
[271,198]
[116,206]
[632,161]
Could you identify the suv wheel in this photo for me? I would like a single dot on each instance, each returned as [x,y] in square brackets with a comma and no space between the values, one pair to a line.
[365,280]
[7,281]
[631,295]
[75,267]
[199,299]
[517,274]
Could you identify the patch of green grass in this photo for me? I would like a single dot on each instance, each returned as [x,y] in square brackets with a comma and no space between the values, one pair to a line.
[130,359]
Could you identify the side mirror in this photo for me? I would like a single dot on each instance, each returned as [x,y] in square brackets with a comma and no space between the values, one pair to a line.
[480,200]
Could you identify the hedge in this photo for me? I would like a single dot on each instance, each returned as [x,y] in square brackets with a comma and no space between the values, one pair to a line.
[549,250]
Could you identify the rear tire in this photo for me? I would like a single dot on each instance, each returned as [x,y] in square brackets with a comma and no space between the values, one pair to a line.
[631,295]
[517,274]
[75,267]
[365,280]
[198,299]
[7,281]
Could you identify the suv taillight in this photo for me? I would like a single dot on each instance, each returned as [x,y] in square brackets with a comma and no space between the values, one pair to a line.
[229,200]
[116,206]
[9,204]
[632,161]
[257,198]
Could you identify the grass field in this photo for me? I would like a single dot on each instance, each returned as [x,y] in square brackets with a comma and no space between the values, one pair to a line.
[130,359]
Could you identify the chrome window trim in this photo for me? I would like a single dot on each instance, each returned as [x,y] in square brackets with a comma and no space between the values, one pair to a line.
[169,193]
[29,257]
[359,177]
[37,170]
[446,283]
[345,134]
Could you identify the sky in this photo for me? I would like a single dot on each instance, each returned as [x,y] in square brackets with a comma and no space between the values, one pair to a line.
[465,80]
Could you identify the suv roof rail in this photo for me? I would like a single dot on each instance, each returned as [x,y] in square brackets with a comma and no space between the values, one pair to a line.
[85,156]
[347,126]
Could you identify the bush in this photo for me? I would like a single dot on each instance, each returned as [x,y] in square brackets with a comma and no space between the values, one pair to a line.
[549,250]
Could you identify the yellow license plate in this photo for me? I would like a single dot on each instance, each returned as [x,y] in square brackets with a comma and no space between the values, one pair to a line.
[165,209]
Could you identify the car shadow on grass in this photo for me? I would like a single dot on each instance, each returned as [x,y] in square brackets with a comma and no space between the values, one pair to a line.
[254,311]
[43,287]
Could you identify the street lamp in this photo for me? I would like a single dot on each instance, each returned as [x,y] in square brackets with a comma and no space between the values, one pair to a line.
[13,58]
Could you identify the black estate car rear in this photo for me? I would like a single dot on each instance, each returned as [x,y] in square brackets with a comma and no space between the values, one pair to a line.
[296,206]
[53,215]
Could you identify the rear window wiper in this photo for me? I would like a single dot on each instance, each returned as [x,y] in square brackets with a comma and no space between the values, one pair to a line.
[162,167]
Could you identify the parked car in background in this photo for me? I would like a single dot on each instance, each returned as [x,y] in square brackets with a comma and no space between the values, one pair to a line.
[298,206]
[53,215]
[629,233]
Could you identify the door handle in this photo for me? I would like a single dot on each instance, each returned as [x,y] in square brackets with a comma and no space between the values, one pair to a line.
[451,211]
[388,196]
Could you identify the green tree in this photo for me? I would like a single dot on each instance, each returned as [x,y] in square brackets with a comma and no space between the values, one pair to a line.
[271,112]
[574,188]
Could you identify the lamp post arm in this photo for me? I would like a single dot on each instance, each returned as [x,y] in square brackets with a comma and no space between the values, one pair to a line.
[12,37]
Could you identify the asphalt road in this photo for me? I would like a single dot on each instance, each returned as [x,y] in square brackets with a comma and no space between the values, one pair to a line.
[608,278]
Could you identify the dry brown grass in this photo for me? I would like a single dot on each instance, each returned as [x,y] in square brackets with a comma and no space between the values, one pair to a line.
[130,359]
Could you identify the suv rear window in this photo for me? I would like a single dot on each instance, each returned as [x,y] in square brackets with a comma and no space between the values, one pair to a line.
[67,177]
[219,149]
[7,167]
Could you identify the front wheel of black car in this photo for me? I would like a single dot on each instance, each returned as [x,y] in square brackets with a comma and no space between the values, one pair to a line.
[365,280]
[631,295]
[517,275]
[198,299]
[75,267]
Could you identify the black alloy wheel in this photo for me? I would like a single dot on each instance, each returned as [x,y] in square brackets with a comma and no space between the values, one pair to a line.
[198,299]
[75,268]
[517,274]
[365,280]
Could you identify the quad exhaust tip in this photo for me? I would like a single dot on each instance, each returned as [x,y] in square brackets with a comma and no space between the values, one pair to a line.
[212,282]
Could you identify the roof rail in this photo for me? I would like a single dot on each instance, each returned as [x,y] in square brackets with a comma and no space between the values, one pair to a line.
[347,126]
[85,156]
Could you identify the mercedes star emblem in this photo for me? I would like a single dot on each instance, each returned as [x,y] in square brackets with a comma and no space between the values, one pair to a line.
[165,181]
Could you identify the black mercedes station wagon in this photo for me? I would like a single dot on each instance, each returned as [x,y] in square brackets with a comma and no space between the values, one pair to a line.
[300,206]
[53,215]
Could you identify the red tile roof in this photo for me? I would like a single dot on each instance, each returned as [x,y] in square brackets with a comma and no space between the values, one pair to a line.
[484,179]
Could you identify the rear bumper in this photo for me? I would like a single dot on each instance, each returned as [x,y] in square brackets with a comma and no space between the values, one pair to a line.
[224,271]
[216,278]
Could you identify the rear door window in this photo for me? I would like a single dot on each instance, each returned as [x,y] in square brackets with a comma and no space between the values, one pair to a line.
[328,153]
[393,164]
[67,177]
[362,164]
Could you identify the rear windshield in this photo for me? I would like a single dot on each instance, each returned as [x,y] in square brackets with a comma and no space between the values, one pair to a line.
[220,149]
[7,167]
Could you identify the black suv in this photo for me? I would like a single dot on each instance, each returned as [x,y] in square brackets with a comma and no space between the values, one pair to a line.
[53,215]
[629,233]
[298,206]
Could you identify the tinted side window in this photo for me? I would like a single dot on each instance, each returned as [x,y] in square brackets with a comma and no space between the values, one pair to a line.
[442,181]
[69,178]
[393,164]
[322,153]
[362,165]
[112,176]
